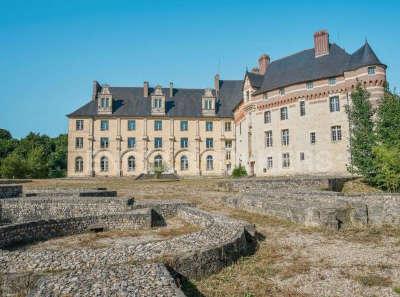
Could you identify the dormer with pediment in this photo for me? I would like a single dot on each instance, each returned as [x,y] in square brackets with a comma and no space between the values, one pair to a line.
[208,103]
[105,100]
[158,101]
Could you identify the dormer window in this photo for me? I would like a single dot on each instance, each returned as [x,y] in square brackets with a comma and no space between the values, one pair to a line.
[282,91]
[309,85]
[265,96]
[332,81]
[158,102]
[105,102]
[104,105]
[208,103]
[371,70]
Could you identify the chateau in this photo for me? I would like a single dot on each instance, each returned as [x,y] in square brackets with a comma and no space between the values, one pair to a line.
[284,117]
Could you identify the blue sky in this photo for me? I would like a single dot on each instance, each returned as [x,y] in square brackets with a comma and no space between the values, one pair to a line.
[51,51]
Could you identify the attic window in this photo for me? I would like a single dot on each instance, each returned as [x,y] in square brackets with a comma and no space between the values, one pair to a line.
[265,96]
[332,81]
[105,102]
[371,70]
[282,91]
[309,85]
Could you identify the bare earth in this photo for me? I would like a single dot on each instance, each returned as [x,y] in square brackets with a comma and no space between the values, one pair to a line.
[291,260]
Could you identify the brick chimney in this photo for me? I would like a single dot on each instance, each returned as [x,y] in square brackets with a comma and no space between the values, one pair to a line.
[216,84]
[171,89]
[263,63]
[146,89]
[321,43]
[95,89]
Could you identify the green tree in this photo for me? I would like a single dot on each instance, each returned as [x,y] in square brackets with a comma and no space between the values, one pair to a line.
[362,137]
[57,162]
[5,134]
[387,167]
[388,119]
[13,167]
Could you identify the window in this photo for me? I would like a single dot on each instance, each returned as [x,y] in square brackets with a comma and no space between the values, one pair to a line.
[268,138]
[228,126]
[104,142]
[302,108]
[247,95]
[184,163]
[301,156]
[157,125]
[158,142]
[209,126]
[79,125]
[228,143]
[104,125]
[184,142]
[267,117]
[285,160]
[209,143]
[332,81]
[79,164]
[131,142]
[131,125]
[309,85]
[334,104]
[131,163]
[240,128]
[210,163]
[208,104]
[265,96]
[285,137]
[284,113]
[336,132]
[157,162]
[228,155]
[313,139]
[79,142]
[104,102]
[269,163]
[104,164]
[282,91]
[371,70]
[184,125]
[157,103]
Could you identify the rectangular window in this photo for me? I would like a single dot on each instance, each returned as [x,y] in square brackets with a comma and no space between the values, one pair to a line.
[79,142]
[184,125]
[313,139]
[131,142]
[267,117]
[282,91]
[209,143]
[284,113]
[302,108]
[105,102]
[158,142]
[265,96]
[209,126]
[268,138]
[228,155]
[285,160]
[208,104]
[269,163]
[309,85]
[336,132]
[371,70]
[301,156]
[131,125]
[285,137]
[79,125]
[184,142]
[228,126]
[157,103]
[240,128]
[157,125]
[228,143]
[104,142]
[334,104]
[104,125]
[332,81]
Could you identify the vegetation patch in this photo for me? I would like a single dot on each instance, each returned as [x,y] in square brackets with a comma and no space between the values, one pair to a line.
[373,280]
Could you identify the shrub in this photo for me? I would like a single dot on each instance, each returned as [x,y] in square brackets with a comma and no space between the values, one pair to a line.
[388,168]
[239,171]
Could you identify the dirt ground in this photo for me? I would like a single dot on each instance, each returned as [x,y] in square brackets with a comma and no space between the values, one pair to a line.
[291,260]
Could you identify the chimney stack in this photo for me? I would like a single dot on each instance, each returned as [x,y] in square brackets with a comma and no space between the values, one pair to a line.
[321,43]
[263,63]
[146,89]
[216,84]
[95,89]
[171,89]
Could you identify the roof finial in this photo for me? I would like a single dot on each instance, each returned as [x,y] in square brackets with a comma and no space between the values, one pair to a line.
[366,40]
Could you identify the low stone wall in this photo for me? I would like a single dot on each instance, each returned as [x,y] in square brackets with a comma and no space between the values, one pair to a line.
[60,192]
[4,181]
[166,209]
[29,232]
[17,210]
[10,191]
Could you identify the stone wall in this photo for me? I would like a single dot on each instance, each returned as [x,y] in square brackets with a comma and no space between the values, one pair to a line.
[60,192]
[10,191]
[29,232]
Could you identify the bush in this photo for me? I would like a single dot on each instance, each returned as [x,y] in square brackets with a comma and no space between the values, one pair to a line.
[239,171]
[388,168]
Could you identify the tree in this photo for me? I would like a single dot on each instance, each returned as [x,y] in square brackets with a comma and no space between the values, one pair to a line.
[387,167]
[13,167]
[57,162]
[5,134]
[362,137]
[388,121]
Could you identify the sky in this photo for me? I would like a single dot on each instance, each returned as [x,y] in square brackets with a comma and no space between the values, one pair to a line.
[51,51]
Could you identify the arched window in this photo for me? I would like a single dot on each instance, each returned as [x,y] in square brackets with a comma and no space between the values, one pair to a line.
[104,164]
[131,163]
[184,163]
[157,161]
[78,164]
[210,163]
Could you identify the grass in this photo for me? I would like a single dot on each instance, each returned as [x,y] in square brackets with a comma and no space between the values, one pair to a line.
[396,290]
[373,280]
[358,186]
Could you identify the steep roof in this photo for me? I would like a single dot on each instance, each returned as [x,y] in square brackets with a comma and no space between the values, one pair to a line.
[129,101]
[255,79]
[364,56]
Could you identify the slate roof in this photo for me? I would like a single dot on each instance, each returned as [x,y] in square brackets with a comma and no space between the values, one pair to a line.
[255,79]
[129,101]
[304,66]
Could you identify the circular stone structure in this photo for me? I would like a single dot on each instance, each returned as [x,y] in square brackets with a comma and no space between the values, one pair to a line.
[136,268]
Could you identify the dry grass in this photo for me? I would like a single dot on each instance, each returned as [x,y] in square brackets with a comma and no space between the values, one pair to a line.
[373,280]
[370,234]
[358,186]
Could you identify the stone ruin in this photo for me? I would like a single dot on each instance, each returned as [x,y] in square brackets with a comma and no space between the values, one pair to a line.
[143,268]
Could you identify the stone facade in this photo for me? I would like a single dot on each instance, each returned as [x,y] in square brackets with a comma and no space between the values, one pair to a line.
[10,191]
